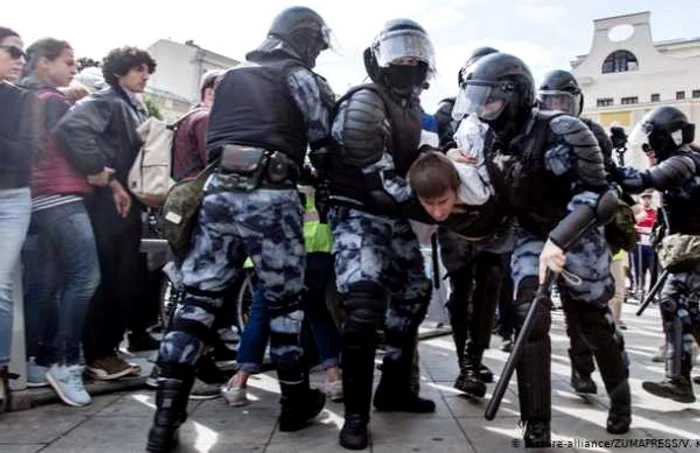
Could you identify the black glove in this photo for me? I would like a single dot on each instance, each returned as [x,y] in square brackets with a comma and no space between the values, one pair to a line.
[322,201]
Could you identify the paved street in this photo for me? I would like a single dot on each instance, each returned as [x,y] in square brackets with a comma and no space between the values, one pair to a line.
[119,422]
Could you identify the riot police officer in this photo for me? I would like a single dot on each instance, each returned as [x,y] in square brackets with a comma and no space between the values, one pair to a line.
[552,170]
[560,91]
[377,132]
[265,114]
[665,134]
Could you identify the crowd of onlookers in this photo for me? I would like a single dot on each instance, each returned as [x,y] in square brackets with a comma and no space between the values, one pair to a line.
[66,215]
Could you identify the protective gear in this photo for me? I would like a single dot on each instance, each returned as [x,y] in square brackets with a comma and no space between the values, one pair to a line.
[399,40]
[587,157]
[473,58]
[582,383]
[261,91]
[672,172]
[354,435]
[571,226]
[662,131]
[470,380]
[374,123]
[560,91]
[538,434]
[499,89]
[171,411]
[299,408]
[620,413]
[679,388]
[302,29]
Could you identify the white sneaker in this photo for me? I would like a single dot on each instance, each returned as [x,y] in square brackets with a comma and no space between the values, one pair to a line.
[334,390]
[67,381]
[235,396]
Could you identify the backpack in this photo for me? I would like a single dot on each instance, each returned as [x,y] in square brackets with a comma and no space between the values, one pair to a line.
[150,178]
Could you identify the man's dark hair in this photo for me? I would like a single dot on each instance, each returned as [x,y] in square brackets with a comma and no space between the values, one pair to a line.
[119,62]
[7,32]
[432,175]
[48,48]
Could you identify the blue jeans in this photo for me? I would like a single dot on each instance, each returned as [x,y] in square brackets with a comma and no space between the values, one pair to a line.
[62,274]
[319,272]
[15,209]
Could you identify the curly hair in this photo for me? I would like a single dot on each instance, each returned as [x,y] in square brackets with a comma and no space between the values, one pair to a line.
[119,62]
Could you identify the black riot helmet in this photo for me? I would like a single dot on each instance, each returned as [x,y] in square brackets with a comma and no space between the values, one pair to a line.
[300,28]
[499,89]
[662,131]
[560,91]
[401,57]
[473,58]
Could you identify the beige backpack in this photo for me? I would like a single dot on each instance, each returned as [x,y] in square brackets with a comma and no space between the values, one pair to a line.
[150,178]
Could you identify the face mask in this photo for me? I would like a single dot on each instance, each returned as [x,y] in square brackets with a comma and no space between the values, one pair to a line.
[406,77]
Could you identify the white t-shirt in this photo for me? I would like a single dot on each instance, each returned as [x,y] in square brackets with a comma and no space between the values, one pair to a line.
[475,188]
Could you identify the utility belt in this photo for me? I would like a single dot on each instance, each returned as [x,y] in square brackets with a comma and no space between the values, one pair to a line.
[247,168]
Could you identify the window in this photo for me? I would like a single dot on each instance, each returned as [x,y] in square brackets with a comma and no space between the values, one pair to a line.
[630,100]
[620,61]
[605,102]
[696,94]
[680,95]
[655,97]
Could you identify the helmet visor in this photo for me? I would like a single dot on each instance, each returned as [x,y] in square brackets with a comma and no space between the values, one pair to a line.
[485,100]
[639,137]
[559,100]
[402,46]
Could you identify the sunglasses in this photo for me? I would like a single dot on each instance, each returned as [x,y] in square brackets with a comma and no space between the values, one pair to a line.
[15,52]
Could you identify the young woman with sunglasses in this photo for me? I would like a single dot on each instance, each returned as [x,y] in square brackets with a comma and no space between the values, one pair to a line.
[18,142]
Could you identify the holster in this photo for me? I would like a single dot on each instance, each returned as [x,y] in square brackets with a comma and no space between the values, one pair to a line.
[247,168]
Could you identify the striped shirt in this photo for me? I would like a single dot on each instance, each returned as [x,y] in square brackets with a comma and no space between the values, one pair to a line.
[51,201]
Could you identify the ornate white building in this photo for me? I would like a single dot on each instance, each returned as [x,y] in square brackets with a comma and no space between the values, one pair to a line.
[626,73]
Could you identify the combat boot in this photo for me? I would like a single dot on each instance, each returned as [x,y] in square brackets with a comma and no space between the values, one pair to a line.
[676,388]
[171,412]
[537,434]
[299,407]
[394,394]
[485,373]
[469,380]
[620,413]
[354,435]
[582,383]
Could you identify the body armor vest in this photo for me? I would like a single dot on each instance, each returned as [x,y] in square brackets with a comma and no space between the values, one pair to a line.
[683,208]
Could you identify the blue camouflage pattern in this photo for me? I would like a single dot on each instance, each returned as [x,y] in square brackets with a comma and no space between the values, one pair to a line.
[587,266]
[377,249]
[265,225]
[315,100]
[679,300]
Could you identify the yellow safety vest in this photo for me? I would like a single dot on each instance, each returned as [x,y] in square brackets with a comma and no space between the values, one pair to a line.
[317,235]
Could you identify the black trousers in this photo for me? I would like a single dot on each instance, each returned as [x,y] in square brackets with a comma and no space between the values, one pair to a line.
[118,241]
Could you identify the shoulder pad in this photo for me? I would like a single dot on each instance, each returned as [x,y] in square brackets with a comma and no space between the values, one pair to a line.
[586,154]
[365,128]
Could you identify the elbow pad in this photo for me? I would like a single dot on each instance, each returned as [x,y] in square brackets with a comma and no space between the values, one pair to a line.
[583,219]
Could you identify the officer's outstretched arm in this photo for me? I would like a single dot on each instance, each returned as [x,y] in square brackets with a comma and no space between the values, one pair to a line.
[592,204]
[672,172]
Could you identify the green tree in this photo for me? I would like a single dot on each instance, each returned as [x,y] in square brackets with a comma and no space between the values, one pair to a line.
[153,107]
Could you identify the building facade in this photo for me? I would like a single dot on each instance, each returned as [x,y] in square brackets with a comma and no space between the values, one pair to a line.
[626,73]
[180,67]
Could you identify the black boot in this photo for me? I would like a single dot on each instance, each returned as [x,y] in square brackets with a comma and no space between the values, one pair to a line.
[620,414]
[354,435]
[469,380]
[696,379]
[582,383]
[171,412]
[537,434]
[300,405]
[677,388]
[485,373]
[394,394]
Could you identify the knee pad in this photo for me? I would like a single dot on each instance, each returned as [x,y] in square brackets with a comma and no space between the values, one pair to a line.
[365,305]
[523,300]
